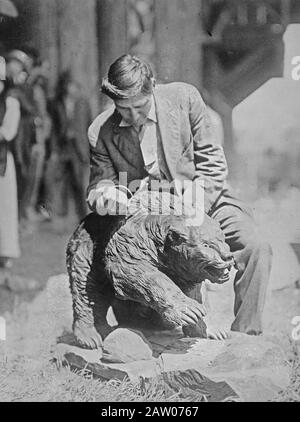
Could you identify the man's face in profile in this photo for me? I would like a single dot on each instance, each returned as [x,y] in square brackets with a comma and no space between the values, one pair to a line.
[135,110]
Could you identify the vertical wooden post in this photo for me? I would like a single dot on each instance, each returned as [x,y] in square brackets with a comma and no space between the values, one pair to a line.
[112,35]
[178,29]
[45,34]
[78,47]
[65,33]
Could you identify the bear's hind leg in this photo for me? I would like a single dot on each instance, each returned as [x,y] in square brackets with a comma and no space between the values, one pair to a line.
[90,290]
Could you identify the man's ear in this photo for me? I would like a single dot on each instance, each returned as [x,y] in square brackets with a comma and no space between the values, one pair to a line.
[153,80]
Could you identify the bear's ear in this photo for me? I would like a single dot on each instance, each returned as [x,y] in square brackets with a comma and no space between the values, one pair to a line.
[176,236]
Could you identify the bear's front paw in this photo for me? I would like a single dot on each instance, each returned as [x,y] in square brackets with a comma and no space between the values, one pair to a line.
[195,331]
[214,333]
[185,311]
[87,335]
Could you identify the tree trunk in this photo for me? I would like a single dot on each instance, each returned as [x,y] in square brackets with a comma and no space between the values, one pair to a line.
[45,34]
[78,47]
[111,33]
[178,40]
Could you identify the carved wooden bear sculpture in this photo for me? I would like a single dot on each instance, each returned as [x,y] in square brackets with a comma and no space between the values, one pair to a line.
[146,267]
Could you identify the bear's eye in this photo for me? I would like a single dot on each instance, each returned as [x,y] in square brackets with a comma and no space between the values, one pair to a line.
[205,245]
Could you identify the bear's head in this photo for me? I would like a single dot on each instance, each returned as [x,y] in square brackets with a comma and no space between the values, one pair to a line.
[192,253]
[196,253]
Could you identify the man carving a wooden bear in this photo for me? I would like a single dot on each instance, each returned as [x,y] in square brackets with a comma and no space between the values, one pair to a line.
[160,132]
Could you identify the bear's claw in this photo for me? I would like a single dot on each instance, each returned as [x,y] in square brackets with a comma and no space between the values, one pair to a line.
[87,336]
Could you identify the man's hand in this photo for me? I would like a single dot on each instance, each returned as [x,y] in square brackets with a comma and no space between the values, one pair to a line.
[112,201]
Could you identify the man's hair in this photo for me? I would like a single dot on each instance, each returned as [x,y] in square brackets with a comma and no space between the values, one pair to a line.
[127,77]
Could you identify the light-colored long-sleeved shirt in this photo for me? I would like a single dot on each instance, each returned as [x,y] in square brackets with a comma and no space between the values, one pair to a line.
[148,140]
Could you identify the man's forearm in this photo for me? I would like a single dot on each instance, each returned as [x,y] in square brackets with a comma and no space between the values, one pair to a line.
[212,172]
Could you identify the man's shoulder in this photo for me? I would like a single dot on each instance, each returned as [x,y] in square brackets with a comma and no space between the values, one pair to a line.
[176,89]
[103,119]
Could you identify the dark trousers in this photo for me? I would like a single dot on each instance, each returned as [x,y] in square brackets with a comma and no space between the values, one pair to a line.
[32,181]
[252,256]
[67,177]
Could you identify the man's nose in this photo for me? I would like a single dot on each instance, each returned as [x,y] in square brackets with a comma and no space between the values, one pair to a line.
[134,115]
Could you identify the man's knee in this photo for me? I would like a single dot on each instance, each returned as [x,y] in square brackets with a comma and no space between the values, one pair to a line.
[251,237]
[256,243]
[253,245]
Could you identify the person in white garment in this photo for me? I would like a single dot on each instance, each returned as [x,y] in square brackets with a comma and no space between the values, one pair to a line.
[9,119]
[10,114]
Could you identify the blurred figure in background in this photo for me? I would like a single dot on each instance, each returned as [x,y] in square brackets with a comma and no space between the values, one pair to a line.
[68,168]
[38,79]
[19,66]
[10,118]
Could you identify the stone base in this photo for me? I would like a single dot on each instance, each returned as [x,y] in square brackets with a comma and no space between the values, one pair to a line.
[252,368]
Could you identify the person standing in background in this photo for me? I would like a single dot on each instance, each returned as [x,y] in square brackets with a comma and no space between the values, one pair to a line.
[10,114]
[69,160]
[19,66]
[37,201]
[10,117]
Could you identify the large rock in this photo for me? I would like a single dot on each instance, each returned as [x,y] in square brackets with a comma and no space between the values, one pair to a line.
[92,360]
[124,346]
[255,367]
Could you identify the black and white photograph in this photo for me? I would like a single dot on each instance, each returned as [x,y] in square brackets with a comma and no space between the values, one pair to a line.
[149,203]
